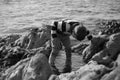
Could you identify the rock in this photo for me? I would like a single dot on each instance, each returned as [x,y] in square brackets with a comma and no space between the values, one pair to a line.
[33,68]
[15,72]
[34,39]
[44,36]
[11,53]
[90,71]
[109,27]
[113,45]
[36,66]
[96,44]
[14,55]
[10,38]
[110,52]
[113,75]
[22,41]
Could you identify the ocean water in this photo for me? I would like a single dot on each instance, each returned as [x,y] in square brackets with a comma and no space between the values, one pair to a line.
[18,15]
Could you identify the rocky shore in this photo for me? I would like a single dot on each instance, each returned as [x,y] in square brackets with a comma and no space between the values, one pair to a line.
[19,63]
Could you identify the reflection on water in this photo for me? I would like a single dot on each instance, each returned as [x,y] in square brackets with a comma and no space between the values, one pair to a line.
[18,14]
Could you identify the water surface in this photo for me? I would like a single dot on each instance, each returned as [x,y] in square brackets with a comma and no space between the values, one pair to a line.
[16,15]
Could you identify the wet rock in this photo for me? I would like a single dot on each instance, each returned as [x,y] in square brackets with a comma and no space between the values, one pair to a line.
[113,75]
[10,55]
[110,52]
[9,38]
[34,68]
[22,41]
[14,55]
[109,26]
[34,39]
[90,71]
[43,37]
[97,43]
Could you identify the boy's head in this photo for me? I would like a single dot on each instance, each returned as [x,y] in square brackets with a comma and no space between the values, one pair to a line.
[80,32]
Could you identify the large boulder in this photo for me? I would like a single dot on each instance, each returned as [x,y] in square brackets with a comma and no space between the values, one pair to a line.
[22,41]
[90,71]
[13,47]
[43,37]
[35,38]
[9,39]
[14,54]
[32,68]
[110,52]
[11,55]
[97,43]
[113,75]
[109,26]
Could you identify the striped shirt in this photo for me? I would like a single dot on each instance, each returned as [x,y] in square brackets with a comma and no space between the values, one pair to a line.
[62,27]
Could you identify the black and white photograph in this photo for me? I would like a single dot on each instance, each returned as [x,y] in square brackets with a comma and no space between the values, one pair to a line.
[59,39]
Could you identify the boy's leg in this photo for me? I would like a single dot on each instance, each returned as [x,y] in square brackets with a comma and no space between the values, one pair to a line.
[66,42]
[56,46]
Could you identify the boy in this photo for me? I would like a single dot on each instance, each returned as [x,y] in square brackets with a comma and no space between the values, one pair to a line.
[61,30]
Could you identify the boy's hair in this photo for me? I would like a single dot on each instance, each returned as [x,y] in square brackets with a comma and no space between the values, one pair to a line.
[80,32]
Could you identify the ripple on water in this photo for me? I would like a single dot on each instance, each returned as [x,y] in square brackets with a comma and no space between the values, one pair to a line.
[25,13]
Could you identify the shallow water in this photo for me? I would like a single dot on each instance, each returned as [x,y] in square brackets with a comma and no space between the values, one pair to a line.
[17,15]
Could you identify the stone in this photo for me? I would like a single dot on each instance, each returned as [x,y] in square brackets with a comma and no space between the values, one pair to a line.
[110,27]
[32,68]
[8,39]
[110,52]
[34,39]
[113,75]
[96,44]
[90,71]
